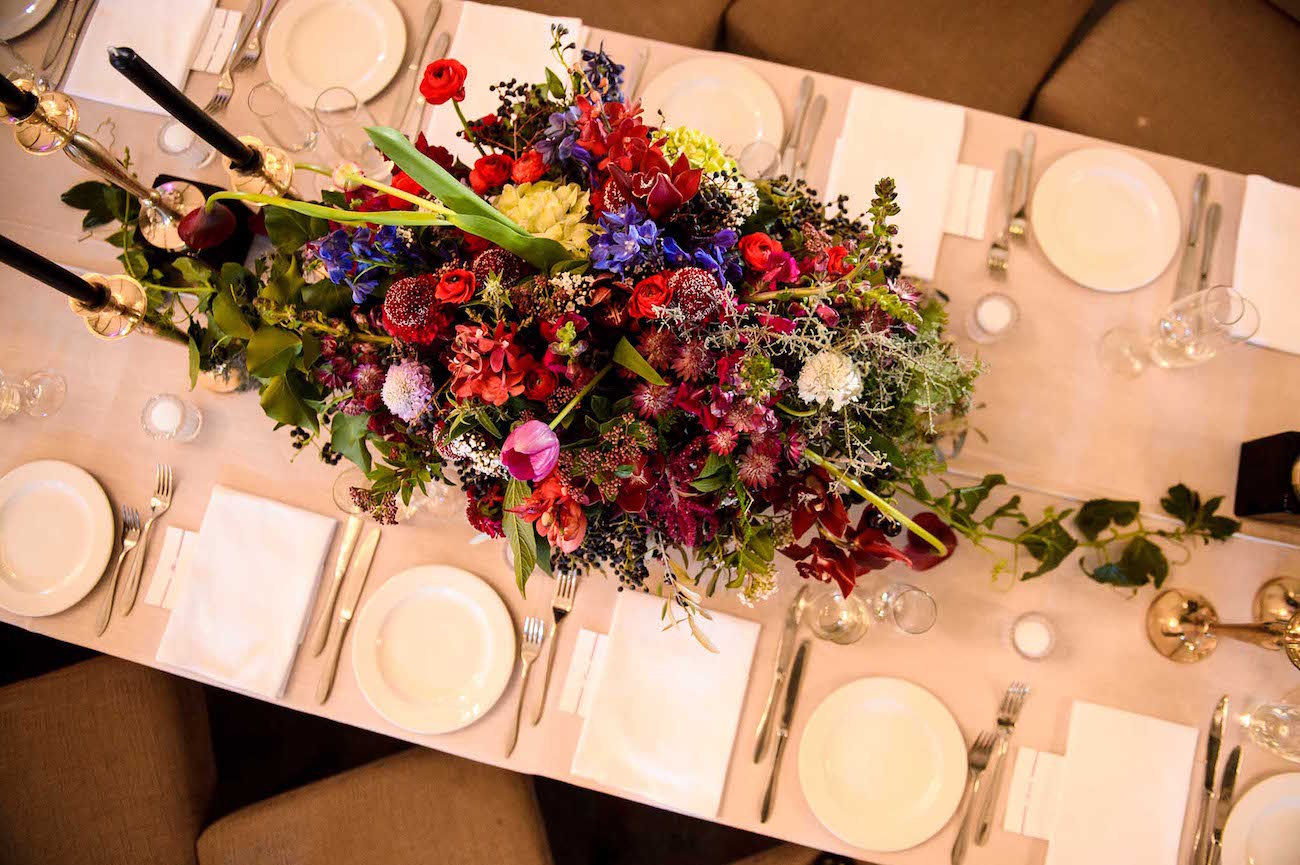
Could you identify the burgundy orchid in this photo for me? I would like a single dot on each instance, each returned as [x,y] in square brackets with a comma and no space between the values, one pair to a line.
[662,187]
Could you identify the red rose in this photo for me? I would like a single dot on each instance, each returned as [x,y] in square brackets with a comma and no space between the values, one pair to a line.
[404,182]
[757,248]
[649,293]
[836,264]
[455,286]
[490,172]
[473,243]
[528,168]
[539,382]
[443,79]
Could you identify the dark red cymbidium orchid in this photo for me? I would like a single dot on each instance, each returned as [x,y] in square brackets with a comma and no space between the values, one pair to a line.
[922,555]
[662,187]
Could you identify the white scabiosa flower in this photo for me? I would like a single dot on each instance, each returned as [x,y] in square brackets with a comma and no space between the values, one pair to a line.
[408,387]
[829,377]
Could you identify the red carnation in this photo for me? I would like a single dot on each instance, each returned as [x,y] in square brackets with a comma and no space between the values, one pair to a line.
[411,309]
[443,79]
[528,168]
[757,248]
[455,286]
[490,172]
[651,292]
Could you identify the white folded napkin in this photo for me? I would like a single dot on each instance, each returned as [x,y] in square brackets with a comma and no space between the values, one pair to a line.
[496,43]
[1267,269]
[913,140]
[242,613]
[663,720]
[165,33]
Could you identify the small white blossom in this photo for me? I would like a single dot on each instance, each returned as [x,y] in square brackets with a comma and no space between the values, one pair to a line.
[829,377]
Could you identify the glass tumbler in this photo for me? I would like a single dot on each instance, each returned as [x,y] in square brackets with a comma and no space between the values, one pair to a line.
[911,609]
[1192,330]
[759,160]
[344,118]
[1275,727]
[40,394]
[839,619]
[287,125]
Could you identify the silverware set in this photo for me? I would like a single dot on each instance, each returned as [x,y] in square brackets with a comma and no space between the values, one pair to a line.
[1198,248]
[234,63]
[62,48]
[1017,171]
[796,149]
[253,44]
[532,642]
[135,538]
[530,648]
[359,571]
[321,628]
[1223,807]
[130,537]
[1212,816]
[783,730]
[989,755]
[789,675]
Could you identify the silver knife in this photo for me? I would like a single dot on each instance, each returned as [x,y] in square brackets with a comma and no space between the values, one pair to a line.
[406,89]
[796,127]
[417,106]
[784,650]
[56,73]
[1224,806]
[360,570]
[1189,270]
[812,125]
[783,733]
[1213,741]
[62,28]
[321,630]
[1212,218]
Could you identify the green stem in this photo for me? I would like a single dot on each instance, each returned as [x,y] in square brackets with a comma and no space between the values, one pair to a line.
[786,294]
[794,412]
[469,133]
[586,389]
[337,214]
[884,506]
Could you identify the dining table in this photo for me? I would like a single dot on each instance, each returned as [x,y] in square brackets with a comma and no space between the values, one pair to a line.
[1048,416]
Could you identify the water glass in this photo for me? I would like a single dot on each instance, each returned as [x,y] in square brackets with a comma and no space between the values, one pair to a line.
[1275,727]
[289,126]
[178,142]
[1191,330]
[40,394]
[911,609]
[839,619]
[344,118]
[759,160]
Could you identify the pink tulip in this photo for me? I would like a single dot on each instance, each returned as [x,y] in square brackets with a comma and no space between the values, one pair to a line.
[530,451]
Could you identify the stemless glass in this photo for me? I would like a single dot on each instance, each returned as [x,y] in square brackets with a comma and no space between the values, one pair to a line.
[344,118]
[758,160]
[288,125]
[1275,727]
[1191,330]
[40,394]
[910,608]
[839,619]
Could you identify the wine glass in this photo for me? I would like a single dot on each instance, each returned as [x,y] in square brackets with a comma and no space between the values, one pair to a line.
[1275,727]
[1191,330]
[40,394]
[344,119]
[288,125]
[911,609]
[839,619]
[759,160]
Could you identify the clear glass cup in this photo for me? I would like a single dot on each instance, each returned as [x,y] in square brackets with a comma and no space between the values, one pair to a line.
[443,501]
[40,394]
[287,125]
[993,317]
[1191,330]
[344,118]
[1275,727]
[14,66]
[839,619]
[178,142]
[911,609]
[167,417]
[759,160]
[1033,636]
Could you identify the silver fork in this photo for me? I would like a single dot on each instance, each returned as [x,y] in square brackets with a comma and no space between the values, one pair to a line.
[1008,713]
[130,537]
[534,632]
[1000,251]
[226,83]
[566,588]
[978,761]
[253,45]
[159,502]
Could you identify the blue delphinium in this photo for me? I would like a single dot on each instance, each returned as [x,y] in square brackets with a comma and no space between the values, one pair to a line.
[629,243]
[559,143]
[604,74]
[358,258]
[717,255]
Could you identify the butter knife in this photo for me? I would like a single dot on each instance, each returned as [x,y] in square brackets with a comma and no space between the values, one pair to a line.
[1189,269]
[55,74]
[1224,806]
[783,733]
[812,125]
[1212,218]
[321,630]
[360,570]
[417,106]
[1213,741]
[406,89]
[784,650]
[796,126]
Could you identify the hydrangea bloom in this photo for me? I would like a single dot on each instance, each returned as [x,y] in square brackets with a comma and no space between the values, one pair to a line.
[829,376]
[549,209]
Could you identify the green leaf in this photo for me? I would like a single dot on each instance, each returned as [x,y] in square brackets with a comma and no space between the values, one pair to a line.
[1181,503]
[1143,560]
[311,347]
[1113,574]
[272,350]
[289,230]
[1097,515]
[327,297]
[1008,510]
[229,317]
[195,362]
[284,284]
[710,484]
[519,532]
[348,437]
[284,399]
[84,196]
[629,358]
[554,84]
[1222,528]
[973,496]
[544,556]
[713,464]
[1049,543]
[194,272]
[134,263]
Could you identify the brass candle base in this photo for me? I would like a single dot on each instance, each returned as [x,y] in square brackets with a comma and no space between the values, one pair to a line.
[120,314]
[157,226]
[1184,627]
[273,177]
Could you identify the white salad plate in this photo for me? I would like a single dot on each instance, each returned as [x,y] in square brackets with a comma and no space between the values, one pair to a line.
[19,16]
[1264,826]
[1105,219]
[313,45]
[434,648]
[56,535]
[719,97]
[882,764]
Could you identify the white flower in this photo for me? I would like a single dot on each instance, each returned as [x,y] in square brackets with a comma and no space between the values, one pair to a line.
[408,387]
[829,376]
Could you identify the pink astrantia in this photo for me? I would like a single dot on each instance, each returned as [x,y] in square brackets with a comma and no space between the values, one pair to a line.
[530,451]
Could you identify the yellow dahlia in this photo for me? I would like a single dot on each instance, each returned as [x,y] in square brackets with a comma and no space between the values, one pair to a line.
[701,150]
[549,209]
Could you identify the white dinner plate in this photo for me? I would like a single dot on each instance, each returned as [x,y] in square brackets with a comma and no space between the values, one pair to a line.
[1264,826]
[433,649]
[56,535]
[882,764]
[1106,219]
[313,45]
[721,98]
[19,16]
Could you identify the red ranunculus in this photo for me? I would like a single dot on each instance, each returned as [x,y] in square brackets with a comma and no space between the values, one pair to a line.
[490,172]
[455,286]
[443,79]
[757,248]
[649,293]
[836,265]
[539,382]
[406,183]
[528,168]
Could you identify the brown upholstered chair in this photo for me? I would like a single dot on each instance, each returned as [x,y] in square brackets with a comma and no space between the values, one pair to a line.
[685,22]
[412,808]
[103,762]
[1214,81]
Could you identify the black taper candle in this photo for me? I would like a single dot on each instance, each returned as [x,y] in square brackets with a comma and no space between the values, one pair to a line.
[18,103]
[178,105]
[40,268]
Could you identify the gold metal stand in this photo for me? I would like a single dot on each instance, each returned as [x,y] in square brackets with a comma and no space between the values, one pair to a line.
[1184,626]
[273,177]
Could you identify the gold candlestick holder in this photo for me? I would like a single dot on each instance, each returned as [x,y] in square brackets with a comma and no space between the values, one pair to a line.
[273,176]
[124,309]
[52,127]
[1183,625]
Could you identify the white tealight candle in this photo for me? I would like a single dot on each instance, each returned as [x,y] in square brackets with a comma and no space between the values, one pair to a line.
[166,415]
[175,137]
[1032,636]
[995,314]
